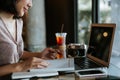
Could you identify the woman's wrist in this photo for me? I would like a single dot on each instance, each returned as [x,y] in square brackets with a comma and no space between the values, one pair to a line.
[38,54]
[27,55]
[19,66]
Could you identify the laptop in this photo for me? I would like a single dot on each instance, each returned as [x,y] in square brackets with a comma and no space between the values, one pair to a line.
[99,47]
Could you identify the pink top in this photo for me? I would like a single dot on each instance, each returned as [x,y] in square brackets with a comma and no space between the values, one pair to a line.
[10,50]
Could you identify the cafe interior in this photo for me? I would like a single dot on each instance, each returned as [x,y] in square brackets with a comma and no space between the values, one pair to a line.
[74,17]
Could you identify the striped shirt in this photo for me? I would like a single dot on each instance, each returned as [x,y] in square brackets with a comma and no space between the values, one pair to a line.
[10,50]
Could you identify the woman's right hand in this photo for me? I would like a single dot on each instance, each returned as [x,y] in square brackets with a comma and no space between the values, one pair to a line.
[33,62]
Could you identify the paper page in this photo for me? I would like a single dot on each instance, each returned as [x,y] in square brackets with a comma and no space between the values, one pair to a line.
[58,65]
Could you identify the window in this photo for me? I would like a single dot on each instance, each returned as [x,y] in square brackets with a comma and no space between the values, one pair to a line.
[115,14]
[84,20]
[107,11]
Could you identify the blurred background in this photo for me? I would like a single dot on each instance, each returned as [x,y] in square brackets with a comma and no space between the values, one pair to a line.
[46,17]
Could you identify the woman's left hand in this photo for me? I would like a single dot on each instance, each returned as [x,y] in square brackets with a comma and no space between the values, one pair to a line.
[48,53]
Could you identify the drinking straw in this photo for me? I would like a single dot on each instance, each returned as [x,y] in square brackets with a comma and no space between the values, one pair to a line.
[62,28]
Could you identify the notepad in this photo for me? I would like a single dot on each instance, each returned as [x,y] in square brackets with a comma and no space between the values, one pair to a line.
[26,75]
[57,65]
[51,70]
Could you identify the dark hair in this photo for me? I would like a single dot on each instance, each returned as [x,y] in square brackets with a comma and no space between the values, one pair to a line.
[9,6]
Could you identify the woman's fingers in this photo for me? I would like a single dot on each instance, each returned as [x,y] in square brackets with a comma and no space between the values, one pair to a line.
[35,63]
[42,64]
[54,53]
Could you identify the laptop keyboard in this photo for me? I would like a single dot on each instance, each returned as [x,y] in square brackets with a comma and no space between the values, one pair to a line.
[84,63]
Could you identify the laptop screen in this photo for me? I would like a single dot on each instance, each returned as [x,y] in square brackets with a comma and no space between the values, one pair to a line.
[100,43]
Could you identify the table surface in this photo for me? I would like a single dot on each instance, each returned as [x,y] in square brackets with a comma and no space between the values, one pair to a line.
[113,73]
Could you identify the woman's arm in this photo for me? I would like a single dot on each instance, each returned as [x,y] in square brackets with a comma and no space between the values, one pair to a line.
[47,53]
[23,66]
[10,68]
[27,54]
[31,60]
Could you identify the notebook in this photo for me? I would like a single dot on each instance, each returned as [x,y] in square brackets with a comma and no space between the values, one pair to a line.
[27,75]
[99,47]
[57,65]
[52,70]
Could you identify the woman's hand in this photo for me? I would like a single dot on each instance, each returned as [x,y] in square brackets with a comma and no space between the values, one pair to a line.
[48,53]
[33,63]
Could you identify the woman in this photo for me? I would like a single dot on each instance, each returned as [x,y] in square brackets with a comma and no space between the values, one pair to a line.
[11,43]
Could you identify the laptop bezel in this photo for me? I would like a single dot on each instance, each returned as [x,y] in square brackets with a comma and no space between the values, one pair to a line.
[99,61]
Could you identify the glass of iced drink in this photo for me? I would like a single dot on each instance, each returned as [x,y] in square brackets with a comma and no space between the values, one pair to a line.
[61,39]
[61,43]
